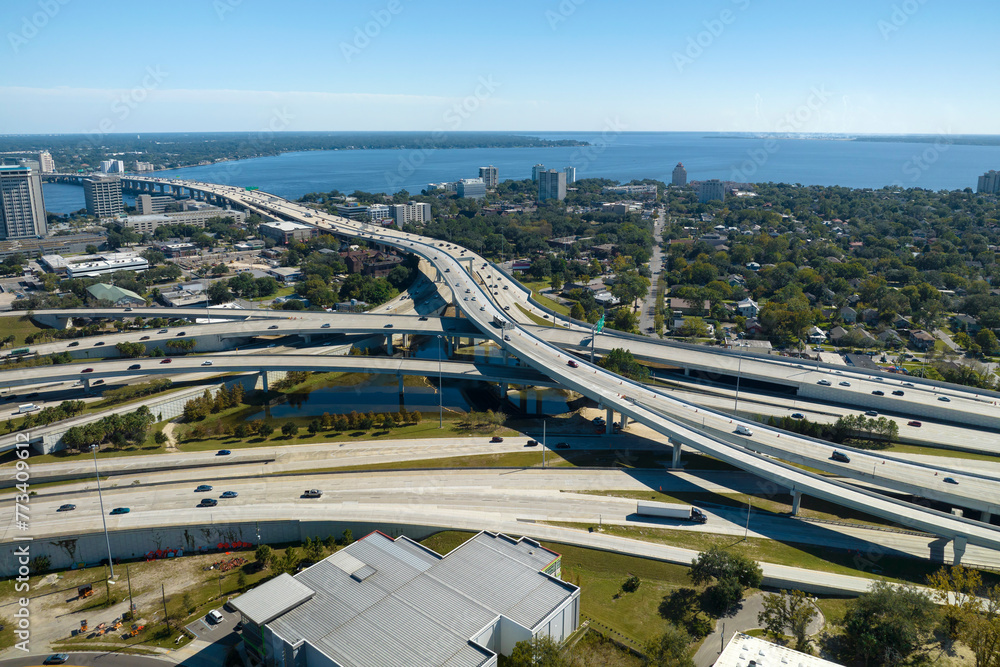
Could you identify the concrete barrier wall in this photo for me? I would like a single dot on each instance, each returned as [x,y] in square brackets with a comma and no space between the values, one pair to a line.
[91,548]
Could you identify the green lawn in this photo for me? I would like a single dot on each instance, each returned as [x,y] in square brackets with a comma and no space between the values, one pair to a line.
[535,318]
[19,327]
[536,289]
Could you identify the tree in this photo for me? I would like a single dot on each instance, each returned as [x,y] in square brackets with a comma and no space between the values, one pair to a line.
[887,624]
[266,429]
[263,556]
[160,438]
[793,611]
[732,573]
[670,649]
[289,429]
[130,350]
[972,611]
[241,580]
[219,293]
[539,651]
[772,616]
[631,585]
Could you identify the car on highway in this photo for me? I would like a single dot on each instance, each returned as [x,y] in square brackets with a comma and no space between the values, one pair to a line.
[162,331]
[128,310]
[878,392]
[743,429]
[572,364]
[562,445]
[950,480]
[907,384]
[273,345]
[57,659]
[845,384]
[99,343]
[825,383]
[135,367]
[840,456]
[496,438]
[798,415]
[871,413]
[944,398]
[74,344]
[598,421]
[223,452]
[506,337]
[208,502]
[482,307]
[506,307]
[423,318]
[914,423]
[98,381]
[388,326]
[166,361]
[273,326]
[203,487]
[898,392]
[120,510]
[182,333]
[68,507]
[144,338]
[206,363]
[87,370]
[531,443]
[229,494]
[312,493]
[326,325]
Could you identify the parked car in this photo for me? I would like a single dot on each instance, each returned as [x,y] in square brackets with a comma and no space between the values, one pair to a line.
[215,617]
[840,456]
[121,510]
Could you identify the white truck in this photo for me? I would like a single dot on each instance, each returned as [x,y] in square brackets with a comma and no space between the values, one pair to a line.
[670,511]
[27,407]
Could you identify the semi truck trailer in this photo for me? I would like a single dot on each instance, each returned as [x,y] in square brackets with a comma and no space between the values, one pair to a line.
[670,511]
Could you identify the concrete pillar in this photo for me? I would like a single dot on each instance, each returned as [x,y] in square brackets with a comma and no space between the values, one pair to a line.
[687,372]
[986,517]
[796,501]
[388,344]
[86,384]
[503,390]
[958,547]
[401,385]
[405,340]
[307,338]
[624,421]
[263,380]
[676,463]
[609,422]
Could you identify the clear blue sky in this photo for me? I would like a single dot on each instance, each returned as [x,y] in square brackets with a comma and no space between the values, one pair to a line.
[852,66]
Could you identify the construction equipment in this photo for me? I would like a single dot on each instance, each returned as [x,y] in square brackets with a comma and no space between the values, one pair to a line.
[83,625]
[84,591]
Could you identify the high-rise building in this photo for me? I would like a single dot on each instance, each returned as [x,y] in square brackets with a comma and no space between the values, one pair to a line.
[712,190]
[551,185]
[680,175]
[22,205]
[989,183]
[471,188]
[142,166]
[47,163]
[112,167]
[570,174]
[411,212]
[537,169]
[489,176]
[104,196]
[147,204]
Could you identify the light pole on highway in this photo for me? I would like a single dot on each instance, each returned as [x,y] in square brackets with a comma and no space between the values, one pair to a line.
[440,386]
[104,520]
[746,533]
[739,372]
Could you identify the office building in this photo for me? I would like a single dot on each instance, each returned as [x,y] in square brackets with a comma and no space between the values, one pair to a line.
[147,224]
[711,190]
[989,183]
[447,186]
[356,211]
[680,176]
[570,174]
[103,195]
[380,213]
[48,165]
[488,175]
[283,232]
[385,601]
[536,170]
[471,188]
[104,264]
[112,167]
[147,204]
[644,189]
[411,212]
[142,166]
[551,185]
[22,205]
[117,296]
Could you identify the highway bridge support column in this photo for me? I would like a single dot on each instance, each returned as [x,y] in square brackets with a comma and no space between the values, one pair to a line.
[796,501]
[609,422]
[388,344]
[676,462]
[958,547]
[401,387]
[503,390]
[986,516]
[263,381]
[624,421]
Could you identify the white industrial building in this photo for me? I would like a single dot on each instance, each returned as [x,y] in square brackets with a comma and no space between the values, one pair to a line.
[147,224]
[108,263]
[383,601]
[746,651]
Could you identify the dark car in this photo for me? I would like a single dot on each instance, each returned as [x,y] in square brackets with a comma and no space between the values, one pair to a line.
[798,415]
[182,333]
[871,413]
[898,392]
[98,381]
[57,659]
[134,367]
[423,318]
[562,445]
[273,326]
[388,326]
[144,338]
[531,443]
[496,438]
[572,364]
[87,370]
[166,361]
[950,480]
[74,343]
[203,487]
[68,507]
[121,510]
[878,392]
[208,502]
[223,452]
[840,456]
[99,343]
[914,423]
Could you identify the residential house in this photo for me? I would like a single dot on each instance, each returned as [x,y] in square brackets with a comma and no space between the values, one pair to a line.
[869,316]
[816,336]
[753,326]
[902,323]
[836,334]
[921,340]
[890,338]
[848,315]
[736,280]
[967,323]
[747,308]
[687,307]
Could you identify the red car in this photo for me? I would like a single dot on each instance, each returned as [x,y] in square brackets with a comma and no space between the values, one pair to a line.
[496,438]
[166,361]
[914,423]
[87,370]
[572,364]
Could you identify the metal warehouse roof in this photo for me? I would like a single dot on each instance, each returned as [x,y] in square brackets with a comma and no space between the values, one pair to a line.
[384,602]
[272,599]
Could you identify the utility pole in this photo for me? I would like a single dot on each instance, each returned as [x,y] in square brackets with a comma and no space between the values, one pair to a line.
[164,594]
[544,421]
[131,605]
[746,533]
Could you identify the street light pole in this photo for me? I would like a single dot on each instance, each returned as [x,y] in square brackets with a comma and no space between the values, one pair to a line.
[747,531]
[739,373]
[104,519]
[440,387]
[544,421]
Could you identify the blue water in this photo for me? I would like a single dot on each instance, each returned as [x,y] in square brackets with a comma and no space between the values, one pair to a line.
[621,157]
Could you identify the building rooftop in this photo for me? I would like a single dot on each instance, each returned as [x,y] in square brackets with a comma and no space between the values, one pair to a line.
[105,292]
[387,602]
[285,226]
[746,651]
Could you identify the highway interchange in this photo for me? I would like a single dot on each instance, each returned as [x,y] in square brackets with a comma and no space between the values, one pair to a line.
[655,409]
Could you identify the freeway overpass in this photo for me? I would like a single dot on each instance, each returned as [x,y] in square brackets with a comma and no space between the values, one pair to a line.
[629,398]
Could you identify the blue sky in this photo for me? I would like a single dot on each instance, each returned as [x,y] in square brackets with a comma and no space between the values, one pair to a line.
[854,66]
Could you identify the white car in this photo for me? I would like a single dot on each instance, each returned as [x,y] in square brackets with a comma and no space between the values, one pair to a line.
[206,363]
[215,617]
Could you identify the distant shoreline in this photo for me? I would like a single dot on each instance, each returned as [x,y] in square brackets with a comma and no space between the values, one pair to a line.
[952,139]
